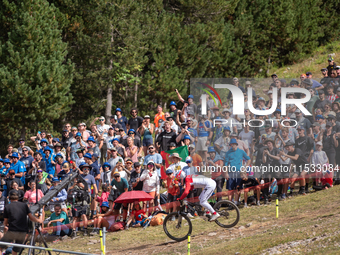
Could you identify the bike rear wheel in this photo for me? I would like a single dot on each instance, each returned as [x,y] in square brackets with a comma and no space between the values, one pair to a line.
[230,214]
[178,229]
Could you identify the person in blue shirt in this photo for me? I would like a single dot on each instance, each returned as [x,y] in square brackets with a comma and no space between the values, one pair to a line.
[7,165]
[155,157]
[233,160]
[26,159]
[122,120]
[49,161]
[2,167]
[18,167]
[44,144]
[60,198]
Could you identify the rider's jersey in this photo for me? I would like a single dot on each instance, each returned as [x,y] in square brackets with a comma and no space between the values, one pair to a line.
[191,182]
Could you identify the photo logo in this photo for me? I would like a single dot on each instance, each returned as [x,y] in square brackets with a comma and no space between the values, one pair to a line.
[238,99]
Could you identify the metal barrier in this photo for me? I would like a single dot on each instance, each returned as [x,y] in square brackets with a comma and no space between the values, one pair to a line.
[43,248]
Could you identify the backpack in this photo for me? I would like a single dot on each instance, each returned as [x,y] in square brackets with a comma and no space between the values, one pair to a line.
[251,200]
[157,219]
[116,227]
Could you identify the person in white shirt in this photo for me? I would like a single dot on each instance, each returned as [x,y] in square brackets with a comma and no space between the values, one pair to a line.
[222,143]
[150,181]
[319,160]
[177,165]
[103,130]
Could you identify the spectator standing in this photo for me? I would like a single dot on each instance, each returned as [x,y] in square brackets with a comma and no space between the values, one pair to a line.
[122,120]
[26,159]
[155,157]
[146,131]
[135,121]
[166,137]
[22,146]
[331,65]
[15,222]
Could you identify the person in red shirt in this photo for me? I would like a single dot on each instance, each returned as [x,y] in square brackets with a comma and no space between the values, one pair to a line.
[159,115]
[137,216]
[173,190]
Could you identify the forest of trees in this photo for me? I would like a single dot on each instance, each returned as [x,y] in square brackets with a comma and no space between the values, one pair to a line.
[71,60]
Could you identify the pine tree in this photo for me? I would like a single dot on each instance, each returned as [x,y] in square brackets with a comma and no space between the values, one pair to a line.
[34,77]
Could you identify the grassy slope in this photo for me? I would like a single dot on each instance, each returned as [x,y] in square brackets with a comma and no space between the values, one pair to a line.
[312,64]
[313,218]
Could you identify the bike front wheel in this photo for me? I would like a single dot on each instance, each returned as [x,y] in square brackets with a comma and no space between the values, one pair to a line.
[177,226]
[230,214]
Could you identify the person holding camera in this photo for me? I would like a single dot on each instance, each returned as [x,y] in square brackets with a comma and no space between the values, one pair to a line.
[15,222]
[79,204]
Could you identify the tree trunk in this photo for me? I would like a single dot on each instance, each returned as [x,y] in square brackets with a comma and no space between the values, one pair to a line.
[108,112]
[136,90]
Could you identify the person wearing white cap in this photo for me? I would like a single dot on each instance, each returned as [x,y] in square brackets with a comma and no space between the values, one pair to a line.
[319,158]
[230,121]
[189,169]
[303,122]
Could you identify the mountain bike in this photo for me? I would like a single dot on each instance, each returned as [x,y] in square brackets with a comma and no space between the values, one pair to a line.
[177,225]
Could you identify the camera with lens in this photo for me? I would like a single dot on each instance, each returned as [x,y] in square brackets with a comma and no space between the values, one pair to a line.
[76,196]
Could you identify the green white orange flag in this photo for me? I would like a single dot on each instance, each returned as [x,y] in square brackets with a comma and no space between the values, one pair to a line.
[183,153]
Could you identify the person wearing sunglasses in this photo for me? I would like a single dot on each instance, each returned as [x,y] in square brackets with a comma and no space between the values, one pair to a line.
[9,181]
[150,181]
[135,121]
[18,166]
[155,157]
[122,186]
[26,159]
[22,146]
[114,158]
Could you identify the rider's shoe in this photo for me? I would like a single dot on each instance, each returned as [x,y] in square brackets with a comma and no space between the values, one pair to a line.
[189,215]
[214,217]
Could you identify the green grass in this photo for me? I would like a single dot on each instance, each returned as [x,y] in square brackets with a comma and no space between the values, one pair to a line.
[313,64]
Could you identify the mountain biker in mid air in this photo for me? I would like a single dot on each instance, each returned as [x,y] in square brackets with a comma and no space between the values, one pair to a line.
[199,181]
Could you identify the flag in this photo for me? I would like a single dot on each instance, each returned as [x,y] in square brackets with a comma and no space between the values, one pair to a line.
[183,153]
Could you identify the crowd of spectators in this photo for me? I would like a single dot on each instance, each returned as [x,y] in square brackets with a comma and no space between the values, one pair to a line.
[123,153]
